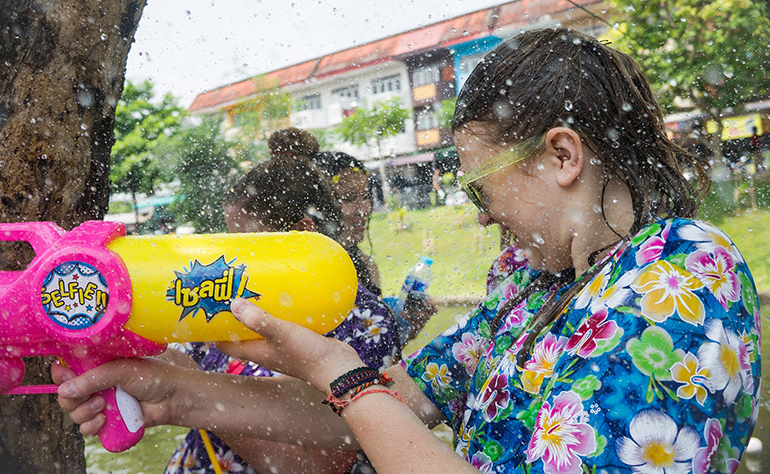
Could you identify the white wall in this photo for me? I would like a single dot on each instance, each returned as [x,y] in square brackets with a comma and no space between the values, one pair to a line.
[332,105]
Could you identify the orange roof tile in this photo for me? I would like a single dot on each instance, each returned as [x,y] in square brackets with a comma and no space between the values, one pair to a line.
[223,95]
[443,34]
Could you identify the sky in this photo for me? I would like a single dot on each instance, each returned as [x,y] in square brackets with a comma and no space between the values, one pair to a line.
[189,47]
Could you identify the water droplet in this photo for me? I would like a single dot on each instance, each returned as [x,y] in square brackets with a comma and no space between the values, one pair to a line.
[673,83]
[577,41]
[568,105]
[612,134]
[627,107]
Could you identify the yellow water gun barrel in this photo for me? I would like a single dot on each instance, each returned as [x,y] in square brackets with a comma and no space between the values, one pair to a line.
[183,285]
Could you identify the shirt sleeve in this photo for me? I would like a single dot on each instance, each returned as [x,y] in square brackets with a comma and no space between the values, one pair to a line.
[444,368]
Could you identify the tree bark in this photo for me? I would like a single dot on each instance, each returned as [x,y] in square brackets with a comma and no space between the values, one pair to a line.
[62,66]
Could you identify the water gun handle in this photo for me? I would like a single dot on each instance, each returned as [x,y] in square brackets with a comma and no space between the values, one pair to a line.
[124,422]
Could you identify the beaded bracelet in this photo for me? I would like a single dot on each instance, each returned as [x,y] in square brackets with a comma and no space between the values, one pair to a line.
[353,381]
[350,380]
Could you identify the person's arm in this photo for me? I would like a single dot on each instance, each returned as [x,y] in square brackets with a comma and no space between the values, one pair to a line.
[393,434]
[269,456]
[285,410]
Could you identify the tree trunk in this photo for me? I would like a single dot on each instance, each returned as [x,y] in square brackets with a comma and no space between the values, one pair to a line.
[62,65]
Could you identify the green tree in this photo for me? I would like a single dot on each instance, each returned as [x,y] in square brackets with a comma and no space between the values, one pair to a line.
[711,53]
[268,110]
[142,127]
[205,165]
[370,126]
[446,113]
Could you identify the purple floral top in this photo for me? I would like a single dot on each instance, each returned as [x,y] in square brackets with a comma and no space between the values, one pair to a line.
[369,328]
[653,367]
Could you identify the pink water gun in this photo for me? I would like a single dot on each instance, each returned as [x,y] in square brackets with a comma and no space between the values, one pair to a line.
[72,301]
[92,295]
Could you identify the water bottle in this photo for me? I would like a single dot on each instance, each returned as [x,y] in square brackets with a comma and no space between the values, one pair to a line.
[415,287]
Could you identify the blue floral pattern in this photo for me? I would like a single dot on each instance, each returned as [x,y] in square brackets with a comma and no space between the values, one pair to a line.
[653,367]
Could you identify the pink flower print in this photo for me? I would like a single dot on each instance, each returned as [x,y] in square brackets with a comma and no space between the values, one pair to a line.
[515,318]
[468,352]
[559,438]
[495,396]
[544,357]
[716,272]
[701,462]
[482,462]
[596,327]
[652,248]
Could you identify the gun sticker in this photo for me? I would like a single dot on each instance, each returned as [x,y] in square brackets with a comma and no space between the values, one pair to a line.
[209,288]
[75,295]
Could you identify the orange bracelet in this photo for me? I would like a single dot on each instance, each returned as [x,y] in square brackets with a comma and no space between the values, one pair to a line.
[337,405]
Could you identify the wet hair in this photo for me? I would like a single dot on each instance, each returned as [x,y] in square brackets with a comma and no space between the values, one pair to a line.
[292,141]
[287,188]
[562,78]
[332,164]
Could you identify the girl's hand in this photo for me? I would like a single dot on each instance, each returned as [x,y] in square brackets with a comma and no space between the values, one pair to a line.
[149,380]
[290,348]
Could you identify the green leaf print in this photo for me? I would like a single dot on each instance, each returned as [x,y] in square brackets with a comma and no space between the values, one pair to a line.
[529,415]
[502,344]
[743,407]
[492,300]
[748,293]
[677,259]
[485,330]
[493,449]
[601,443]
[586,387]
[653,354]
[645,233]
[606,345]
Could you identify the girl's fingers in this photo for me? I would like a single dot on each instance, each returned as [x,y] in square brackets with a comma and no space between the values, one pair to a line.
[86,411]
[91,427]
[255,351]
[257,319]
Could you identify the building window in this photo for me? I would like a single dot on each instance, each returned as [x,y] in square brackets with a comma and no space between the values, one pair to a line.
[386,84]
[427,120]
[425,75]
[346,93]
[311,102]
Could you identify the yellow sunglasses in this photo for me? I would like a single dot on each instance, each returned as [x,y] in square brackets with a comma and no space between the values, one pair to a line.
[516,154]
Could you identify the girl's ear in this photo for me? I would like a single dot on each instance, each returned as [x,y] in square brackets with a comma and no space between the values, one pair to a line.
[565,146]
[305,224]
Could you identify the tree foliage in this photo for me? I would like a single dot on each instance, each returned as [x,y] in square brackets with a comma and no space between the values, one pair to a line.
[256,118]
[370,126]
[713,53]
[206,168]
[143,126]
[446,113]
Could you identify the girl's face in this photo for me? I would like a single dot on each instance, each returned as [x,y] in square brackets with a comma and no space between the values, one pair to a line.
[353,190]
[516,198]
[239,222]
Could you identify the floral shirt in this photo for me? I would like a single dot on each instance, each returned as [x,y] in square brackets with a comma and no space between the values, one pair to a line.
[652,368]
[369,328]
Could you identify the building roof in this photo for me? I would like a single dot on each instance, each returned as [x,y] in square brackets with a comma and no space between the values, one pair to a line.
[443,34]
